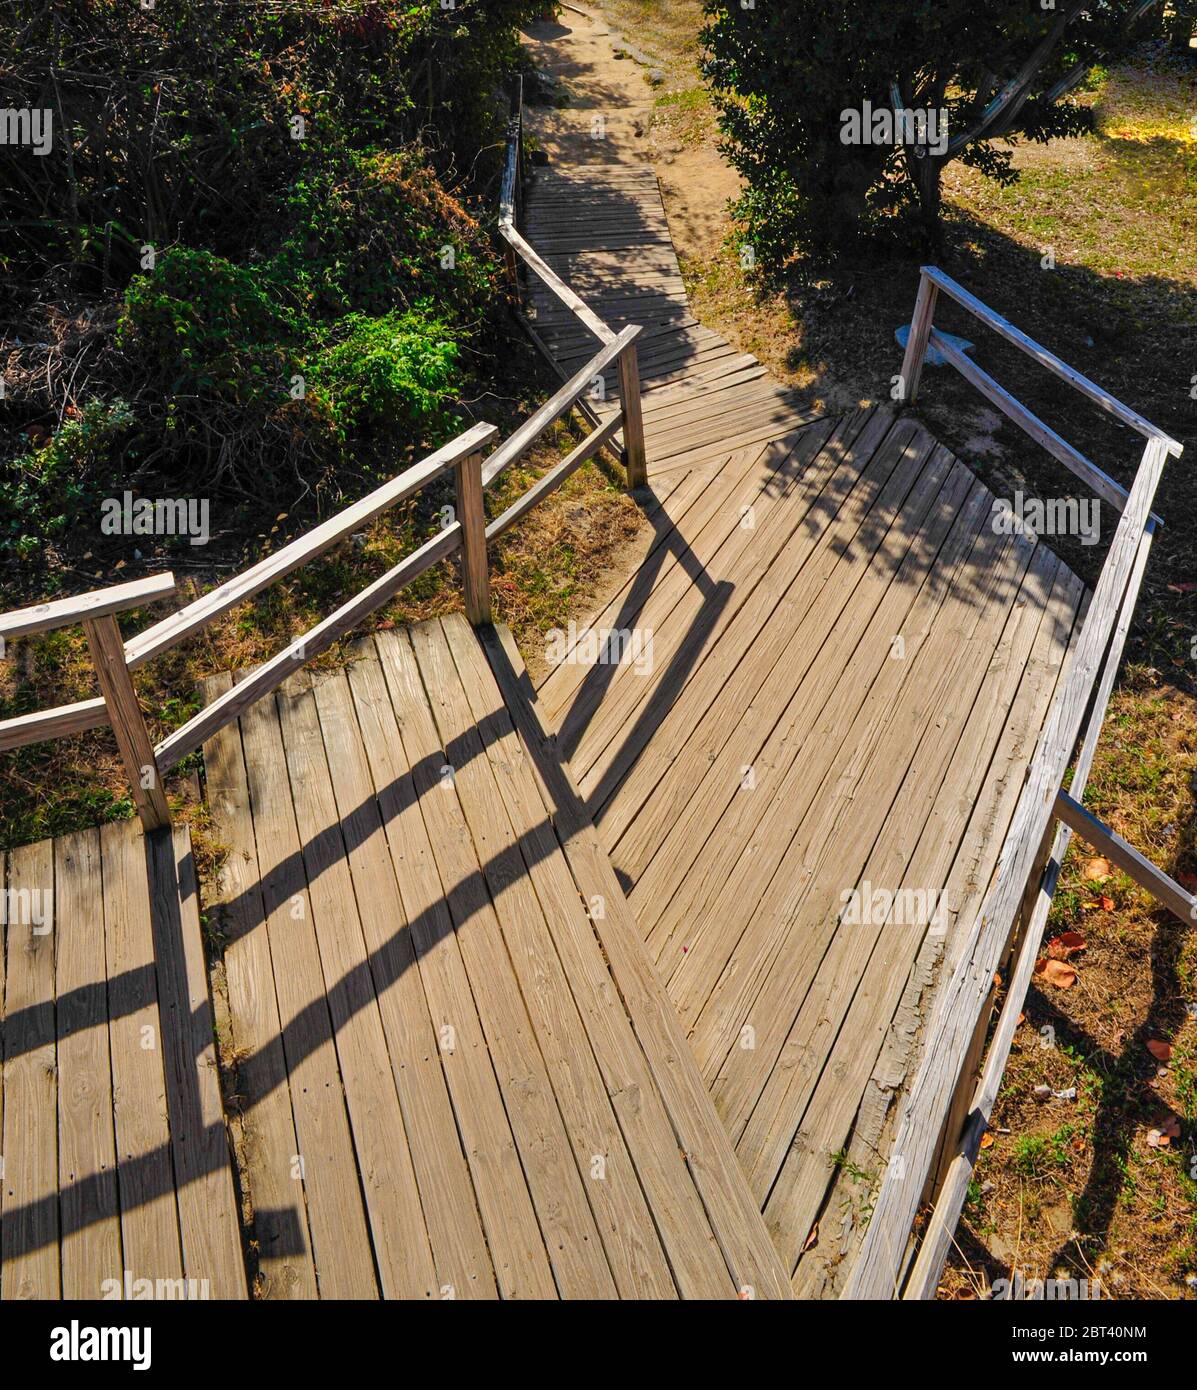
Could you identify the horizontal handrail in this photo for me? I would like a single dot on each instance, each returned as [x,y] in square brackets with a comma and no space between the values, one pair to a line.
[518,249]
[549,276]
[469,533]
[98,603]
[960,1009]
[556,406]
[170,631]
[553,479]
[932,276]
[271,674]
[1107,488]
[61,722]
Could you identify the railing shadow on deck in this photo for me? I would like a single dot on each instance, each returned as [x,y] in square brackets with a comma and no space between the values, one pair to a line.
[259,1073]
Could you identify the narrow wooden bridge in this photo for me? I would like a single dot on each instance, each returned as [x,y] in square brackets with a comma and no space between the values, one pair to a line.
[651,982]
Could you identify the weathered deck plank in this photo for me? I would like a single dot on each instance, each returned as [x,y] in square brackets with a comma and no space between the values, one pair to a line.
[872,682]
[543,1134]
[117,1173]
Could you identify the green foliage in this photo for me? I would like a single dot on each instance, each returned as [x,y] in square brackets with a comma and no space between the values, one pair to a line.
[43,491]
[369,231]
[178,121]
[785,74]
[249,205]
[202,324]
[396,373]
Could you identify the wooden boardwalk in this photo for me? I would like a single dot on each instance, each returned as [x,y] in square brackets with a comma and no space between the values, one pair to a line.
[443,1006]
[837,698]
[602,228]
[601,989]
[833,674]
[117,1177]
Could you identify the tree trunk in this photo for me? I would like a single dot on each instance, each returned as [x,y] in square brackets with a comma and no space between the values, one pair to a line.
[926,171]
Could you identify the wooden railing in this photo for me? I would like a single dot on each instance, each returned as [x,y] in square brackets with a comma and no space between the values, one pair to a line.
[114,660]
[510,206]
[930,1159]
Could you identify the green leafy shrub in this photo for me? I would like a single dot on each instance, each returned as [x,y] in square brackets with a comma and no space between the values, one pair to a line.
[372,230]
[397,374]
[199,323]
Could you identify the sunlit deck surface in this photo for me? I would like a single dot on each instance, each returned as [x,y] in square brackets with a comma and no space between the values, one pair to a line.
[835,672]
[117,1175]
[441,1002]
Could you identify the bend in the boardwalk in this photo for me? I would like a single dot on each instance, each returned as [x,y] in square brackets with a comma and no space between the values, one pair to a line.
[833,674]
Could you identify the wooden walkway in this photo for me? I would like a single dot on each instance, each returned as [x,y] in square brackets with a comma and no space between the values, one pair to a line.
[602,228]
[834,673]
[116,1172]
[444,1008]
[605,989]
[846,671]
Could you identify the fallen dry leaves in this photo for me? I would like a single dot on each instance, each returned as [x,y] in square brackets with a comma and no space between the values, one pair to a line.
[1068,943]
[1056,973]
[1169,1129]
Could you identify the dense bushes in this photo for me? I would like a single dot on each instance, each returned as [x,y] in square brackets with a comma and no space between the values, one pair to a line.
[248,263]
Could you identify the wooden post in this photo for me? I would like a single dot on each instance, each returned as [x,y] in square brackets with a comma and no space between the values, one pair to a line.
[916,344]
[128,724]
[470,512]
[634,457]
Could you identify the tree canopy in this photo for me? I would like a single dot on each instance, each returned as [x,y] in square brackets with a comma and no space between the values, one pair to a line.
[971,76]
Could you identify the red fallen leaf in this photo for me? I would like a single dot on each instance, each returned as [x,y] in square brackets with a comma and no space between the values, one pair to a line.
[1187,880]
[1107,903]
[1068,943]
[385,626]
[1188,587]
[811,1239]
[1161,1051]
[987,1140]
[1055,972]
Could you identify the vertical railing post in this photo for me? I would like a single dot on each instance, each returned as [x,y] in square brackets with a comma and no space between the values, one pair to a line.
[916,344]
[128,723]
[472,516]
[634,458]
